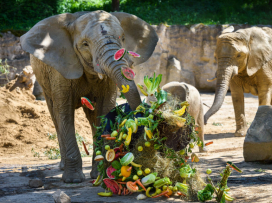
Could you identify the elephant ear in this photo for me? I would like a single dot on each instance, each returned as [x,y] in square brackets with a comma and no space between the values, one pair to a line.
[260,50]
[50,42]
[140,37]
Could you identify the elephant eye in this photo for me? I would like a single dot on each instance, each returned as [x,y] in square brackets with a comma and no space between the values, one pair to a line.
[123,38]
[238,55]
[85,44]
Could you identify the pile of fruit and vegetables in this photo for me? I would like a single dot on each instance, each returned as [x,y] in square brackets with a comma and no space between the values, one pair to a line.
[146,151]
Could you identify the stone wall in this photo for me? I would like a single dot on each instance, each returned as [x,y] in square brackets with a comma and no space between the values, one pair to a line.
[183,53]
[11,50]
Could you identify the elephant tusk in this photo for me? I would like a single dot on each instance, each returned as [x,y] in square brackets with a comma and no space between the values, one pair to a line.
[100,76]
[210,80]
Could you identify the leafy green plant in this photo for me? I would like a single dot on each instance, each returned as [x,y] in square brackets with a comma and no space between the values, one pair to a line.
[5,69]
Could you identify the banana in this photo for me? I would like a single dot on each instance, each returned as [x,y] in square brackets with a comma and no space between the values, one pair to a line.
[140,86]
[181,111]
[185,103]
[125,89]
[144,92]
[128,139]
[148,132]
[228,198]
[135,165]
[123,123]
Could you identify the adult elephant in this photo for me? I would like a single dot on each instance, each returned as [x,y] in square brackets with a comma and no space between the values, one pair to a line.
[244,62]
[72,57]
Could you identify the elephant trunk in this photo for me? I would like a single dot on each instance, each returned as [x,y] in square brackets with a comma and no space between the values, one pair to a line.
[112,69]
[224,74]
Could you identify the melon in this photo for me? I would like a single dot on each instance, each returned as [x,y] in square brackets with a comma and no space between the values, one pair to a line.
[86,102]
[135,55]
[127,73]
[112,185]
[109,171]
[120,54]
[110,155]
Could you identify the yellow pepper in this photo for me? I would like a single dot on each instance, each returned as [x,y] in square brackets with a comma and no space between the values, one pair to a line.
[125,89]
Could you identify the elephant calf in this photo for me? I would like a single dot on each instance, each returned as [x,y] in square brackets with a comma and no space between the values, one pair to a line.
[186,92]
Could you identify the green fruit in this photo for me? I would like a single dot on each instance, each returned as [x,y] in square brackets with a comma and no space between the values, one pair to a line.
[158,191]
[200,144]
[182,152]
[208,171]
[107,147]
[114,133]
[98,153]
[175,189]
[191,145]
[164,188]
[124,136]
[170,187]
[140,148]
[139,173]
[147,144]
[135,177]
[147,171]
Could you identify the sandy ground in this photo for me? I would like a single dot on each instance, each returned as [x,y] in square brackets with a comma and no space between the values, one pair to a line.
[17,167]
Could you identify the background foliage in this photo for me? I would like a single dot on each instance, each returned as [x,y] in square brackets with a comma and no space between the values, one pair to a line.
[23,14]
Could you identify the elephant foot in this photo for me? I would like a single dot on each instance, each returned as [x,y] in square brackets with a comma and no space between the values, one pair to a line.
[61,165]
[203,150]
[73,176]
[94,172]
[240,133]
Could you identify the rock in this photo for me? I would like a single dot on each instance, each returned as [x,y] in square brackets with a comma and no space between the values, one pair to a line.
[38,92]
[35,183]
[258,140]
[60,197]
[27,77]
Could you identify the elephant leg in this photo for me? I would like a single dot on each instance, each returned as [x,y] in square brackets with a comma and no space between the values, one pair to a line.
[264,97]
[200,121]
[237,95]
[63,112]
[49,103]
[103,106]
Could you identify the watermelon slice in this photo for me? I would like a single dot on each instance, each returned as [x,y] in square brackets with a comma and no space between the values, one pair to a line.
[86,102]
[112,185]
[120,54]
[135,55]
[109,171]
[127,73]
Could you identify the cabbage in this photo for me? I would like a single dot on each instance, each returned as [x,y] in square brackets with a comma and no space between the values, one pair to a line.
[147,180]
[186,171]
[131,124]
[206,194]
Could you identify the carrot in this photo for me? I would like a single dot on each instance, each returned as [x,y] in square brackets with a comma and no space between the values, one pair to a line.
[129,169]
[166,195]
[162,194]
[181,194]
[108,135]
[85,148]
[208,143]
[193,159]
[140,184]
[181,164]
[121,147]
[110,138]
[119,192]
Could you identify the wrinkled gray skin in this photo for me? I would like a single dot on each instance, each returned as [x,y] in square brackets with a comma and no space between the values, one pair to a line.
[244,62]
[72,57]
[186,92]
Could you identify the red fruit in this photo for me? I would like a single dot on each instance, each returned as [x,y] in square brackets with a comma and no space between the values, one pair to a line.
[127,73]
[135,55]
[109,171]
[112,185]
[119,54]
[86,102]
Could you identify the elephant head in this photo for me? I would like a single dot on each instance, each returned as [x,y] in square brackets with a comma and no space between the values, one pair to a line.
[243,52]
[85,42]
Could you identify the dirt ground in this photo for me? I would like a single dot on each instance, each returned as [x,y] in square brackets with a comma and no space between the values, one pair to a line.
[25,123]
